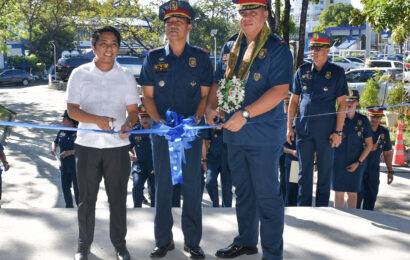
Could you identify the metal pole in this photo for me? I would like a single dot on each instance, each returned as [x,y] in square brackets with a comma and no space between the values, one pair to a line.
[55,62]
[215,54]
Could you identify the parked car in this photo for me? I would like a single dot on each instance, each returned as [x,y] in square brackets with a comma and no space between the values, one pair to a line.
[66,65]
[383,64]
[15,76]
[406,76]
[132,63]
[356,79]
[344,63]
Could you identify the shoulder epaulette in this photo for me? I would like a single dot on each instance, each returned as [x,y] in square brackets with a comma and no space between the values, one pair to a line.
[199,49]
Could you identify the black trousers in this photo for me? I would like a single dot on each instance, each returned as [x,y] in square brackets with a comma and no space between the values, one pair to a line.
[114,165]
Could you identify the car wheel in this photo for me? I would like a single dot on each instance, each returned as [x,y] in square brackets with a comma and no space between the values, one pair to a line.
[25,82]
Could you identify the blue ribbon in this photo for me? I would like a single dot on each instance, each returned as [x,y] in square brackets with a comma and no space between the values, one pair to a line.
[179,132]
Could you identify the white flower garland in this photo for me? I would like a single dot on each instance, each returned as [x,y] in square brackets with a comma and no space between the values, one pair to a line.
[231,94]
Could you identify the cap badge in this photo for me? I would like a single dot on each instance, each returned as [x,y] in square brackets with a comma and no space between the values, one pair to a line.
[173,5]
[315,36]
[192,62]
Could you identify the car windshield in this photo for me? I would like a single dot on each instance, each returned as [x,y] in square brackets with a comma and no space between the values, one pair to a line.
[379,64]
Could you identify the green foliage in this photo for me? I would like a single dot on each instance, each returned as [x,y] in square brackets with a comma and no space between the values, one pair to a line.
[213,14]
[334,16]
[398,95]
[390,15]
[369,97]
[10,17]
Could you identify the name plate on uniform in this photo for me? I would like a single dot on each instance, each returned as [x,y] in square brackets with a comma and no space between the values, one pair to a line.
[294,172]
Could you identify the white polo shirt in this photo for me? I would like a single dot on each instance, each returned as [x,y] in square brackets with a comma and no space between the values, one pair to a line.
[103,94]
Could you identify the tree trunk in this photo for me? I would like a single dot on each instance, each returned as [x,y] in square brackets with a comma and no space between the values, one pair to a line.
[302,31]
[271,20]
[277,15]
[286,16]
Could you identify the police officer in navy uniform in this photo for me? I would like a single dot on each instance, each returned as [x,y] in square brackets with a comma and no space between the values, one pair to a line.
[371,176]
[264,62]
[216,161]
[350,156]
[65,141]
[317,87]
[142,167]
[177,77]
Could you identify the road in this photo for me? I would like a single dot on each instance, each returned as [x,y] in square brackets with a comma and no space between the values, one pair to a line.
[34,181]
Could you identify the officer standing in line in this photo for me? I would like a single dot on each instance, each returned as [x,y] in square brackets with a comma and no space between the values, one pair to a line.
[264,62]
[177,77]
[6,166]
[316,89]
[350,156]
[142,168]
[216,161]
[371,176]
[65,140]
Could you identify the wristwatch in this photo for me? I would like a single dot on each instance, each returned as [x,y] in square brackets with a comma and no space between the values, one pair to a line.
[339,133]
[246,114]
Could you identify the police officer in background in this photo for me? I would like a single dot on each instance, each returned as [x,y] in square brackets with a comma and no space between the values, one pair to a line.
[142,168]
[264,62]
[371,176]
[177,77]
[317,87]
[65,141]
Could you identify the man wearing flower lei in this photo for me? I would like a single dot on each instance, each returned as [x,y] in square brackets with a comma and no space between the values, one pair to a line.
[317,87]
[251,81]
[176,77]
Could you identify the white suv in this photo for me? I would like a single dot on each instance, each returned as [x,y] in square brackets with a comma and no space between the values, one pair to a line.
[383,64]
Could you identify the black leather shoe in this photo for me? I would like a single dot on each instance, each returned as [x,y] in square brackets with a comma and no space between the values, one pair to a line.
[195,252]
[233,251]
[161,251]
[122,254]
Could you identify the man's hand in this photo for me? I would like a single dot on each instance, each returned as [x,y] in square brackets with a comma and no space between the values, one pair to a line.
[103,123]
[210,115]
[66,154]
[152,172]
[53,153]
[352,167]
[133,158]
[236,122]
[204,166]
[6,166]
[335,140]
[124,128]
[389,178]
[295,153]
[290,135]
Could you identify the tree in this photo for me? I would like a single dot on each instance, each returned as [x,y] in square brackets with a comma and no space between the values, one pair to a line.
[390,15]
[213,14]
[286,21]
[10,17]
[334,16]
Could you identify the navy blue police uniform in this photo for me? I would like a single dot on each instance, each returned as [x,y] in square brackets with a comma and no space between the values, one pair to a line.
[141,170]
[1,171]
[371,176]
[177,82]
[254,151]
[65,140]
[355,131]
[217,162]
[318,91]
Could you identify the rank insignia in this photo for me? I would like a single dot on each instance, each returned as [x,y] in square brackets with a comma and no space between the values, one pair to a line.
[307,76]
[262,53]
[359,133]
[161,83]
[359,122]
[325,89]
[173,5]
[328,75]
[193,84]
[256,76]
[161,68]
[192,62]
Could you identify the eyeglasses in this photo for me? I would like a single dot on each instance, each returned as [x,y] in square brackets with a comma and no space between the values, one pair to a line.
[317,48]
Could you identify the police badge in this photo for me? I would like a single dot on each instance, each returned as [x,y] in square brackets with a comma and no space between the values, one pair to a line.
[328,75]
[192,62]
[262,53]
[193,84]
[256,76]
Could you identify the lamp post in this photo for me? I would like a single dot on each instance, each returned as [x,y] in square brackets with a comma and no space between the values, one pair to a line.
[54,54]
[213,34]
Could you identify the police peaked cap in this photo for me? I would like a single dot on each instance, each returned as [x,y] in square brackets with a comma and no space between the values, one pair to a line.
[176,9]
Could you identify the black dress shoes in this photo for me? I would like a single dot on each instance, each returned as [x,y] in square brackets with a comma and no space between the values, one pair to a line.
[233,251]
[195,252]
[161,251]
[122,254]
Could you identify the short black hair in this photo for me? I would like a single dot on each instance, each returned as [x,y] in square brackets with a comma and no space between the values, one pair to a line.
[97,33]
